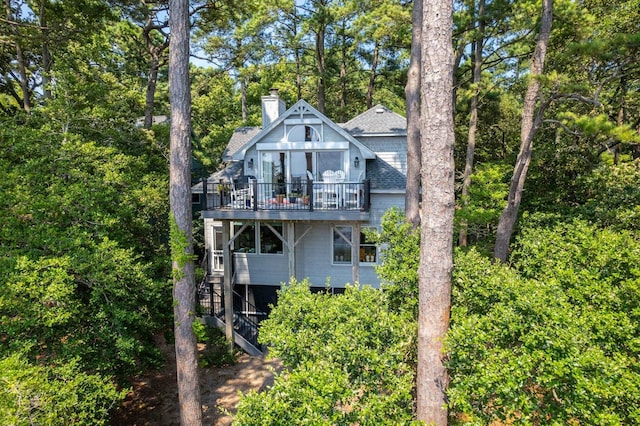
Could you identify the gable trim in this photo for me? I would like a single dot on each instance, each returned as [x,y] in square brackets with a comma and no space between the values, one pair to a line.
[300,108]
[301,146]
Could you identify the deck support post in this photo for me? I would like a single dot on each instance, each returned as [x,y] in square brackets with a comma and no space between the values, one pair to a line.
[228,285]
[291,248]
[355,254]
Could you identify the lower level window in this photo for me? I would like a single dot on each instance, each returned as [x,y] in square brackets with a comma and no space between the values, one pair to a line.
[342,244]
[265,236]
[368,250]
[246,241]
[270,243]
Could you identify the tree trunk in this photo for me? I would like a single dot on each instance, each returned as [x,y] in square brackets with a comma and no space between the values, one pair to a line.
[320,59]
[622,114]
[180,200]
[243,99]
[436,245]
[372,75]
[22,68]
[412,92]
[298,74]
[528,129]
[155,52]
[343,77]
[46,53]
[149,103]
[473,121]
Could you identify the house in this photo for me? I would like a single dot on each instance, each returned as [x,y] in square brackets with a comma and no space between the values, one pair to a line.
[293,201]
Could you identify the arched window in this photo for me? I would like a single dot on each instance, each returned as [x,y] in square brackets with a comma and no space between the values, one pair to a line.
[303,133]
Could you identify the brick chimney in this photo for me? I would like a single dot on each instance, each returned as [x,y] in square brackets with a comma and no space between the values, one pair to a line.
[272,107]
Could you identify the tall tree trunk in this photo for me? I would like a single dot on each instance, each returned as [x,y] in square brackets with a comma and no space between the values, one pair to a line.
[298,74]
[372,75]
[296,53]
[473,120]
[622,114]
[155,52]
[149,103]
[243,99]
[180,200]
[528,129]
[22,68]
[436,236]
[343,77]
[46,53]
[320,60]
[412,93]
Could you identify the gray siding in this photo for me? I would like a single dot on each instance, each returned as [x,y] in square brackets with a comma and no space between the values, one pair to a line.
[381,202]
[261,269]
[390,149]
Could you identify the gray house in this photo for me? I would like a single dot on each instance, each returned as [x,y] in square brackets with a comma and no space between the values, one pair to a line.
[293,201]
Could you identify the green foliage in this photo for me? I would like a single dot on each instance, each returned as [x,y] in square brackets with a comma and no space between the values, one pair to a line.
[486,200]
[84,270]
[216,352]
[56,395]
[180,245]
[400,258]
[347,360]
[553,340]
[611,195]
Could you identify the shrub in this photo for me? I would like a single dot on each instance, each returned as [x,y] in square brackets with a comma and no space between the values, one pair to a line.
[62,394]
[347,360]
[552,340]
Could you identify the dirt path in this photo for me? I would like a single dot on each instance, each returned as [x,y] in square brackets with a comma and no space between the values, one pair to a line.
[154,398]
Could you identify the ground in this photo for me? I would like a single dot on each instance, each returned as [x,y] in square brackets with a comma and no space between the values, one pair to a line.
[154,397]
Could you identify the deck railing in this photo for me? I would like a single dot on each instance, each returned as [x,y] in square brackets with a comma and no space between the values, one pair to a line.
[297,195]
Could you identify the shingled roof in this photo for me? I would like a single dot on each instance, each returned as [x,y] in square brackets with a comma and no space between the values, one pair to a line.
[383,176]
[378,120]
[240,137]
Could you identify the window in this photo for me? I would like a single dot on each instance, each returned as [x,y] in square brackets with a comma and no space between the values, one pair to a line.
[270,243]
[302,133]
[246,241]
[368,249]
[342,245]
[330,160]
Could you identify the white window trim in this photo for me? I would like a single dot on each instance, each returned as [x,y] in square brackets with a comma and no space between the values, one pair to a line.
[365,263]
[277,234]
[302,146]
[256,238]
[350,243]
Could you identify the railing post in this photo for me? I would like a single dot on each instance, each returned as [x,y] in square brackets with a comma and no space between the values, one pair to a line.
[221,192]
[204,194]
[310,194]
[366,203]
[212,309]
[256,196]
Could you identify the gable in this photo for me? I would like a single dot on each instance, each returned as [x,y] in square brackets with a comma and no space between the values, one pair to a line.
[300,127]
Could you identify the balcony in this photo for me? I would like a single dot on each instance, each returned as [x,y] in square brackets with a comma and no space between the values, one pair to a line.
[295,200]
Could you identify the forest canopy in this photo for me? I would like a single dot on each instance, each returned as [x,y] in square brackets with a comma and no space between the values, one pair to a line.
[84,263]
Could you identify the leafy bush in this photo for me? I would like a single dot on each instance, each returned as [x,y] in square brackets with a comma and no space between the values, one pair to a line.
[216,351]
[347,360]
[83,276]
[400,257]
[484,204]
[611,195]
[59,395]
[552,340]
